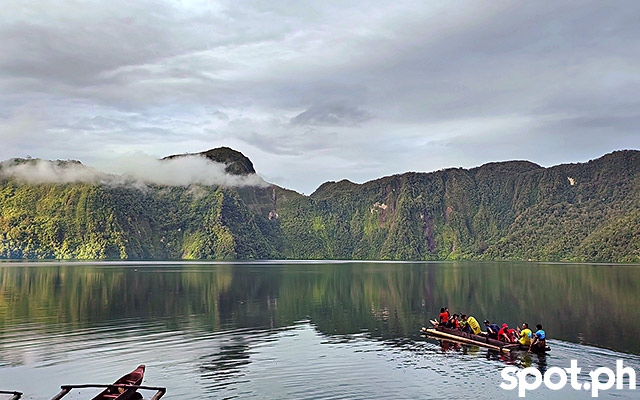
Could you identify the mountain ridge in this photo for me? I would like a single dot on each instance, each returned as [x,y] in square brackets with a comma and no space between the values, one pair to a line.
[514,210]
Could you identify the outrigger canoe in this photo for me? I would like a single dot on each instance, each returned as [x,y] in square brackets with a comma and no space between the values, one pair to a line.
[478,340]
[14,395]
[133,378]
[125,388]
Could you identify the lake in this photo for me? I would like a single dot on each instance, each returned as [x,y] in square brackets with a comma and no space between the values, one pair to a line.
[304,330]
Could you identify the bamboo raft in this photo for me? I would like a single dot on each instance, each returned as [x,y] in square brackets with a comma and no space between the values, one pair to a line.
[479,340]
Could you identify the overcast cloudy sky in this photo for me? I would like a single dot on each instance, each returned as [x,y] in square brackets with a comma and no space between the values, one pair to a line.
[323,90]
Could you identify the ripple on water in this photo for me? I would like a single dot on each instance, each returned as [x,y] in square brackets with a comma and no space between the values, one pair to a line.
[207,356]
[294,362]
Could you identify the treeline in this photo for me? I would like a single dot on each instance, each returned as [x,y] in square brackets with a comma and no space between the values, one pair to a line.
[510,210]
[84,221]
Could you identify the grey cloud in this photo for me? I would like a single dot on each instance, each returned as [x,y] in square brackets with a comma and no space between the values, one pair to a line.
[621,124]
[219,115]
[331,115]
[449,83]
[280,137]
[74,45]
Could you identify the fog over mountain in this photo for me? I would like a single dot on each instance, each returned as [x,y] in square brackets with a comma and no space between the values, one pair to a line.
[132,170]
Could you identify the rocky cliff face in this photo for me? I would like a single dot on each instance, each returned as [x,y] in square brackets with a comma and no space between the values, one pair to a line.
[511,210]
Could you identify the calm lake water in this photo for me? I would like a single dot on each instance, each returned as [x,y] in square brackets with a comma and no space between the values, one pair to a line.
[306,330]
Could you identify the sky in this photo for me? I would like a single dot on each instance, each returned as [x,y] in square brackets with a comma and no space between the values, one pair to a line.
[322,90]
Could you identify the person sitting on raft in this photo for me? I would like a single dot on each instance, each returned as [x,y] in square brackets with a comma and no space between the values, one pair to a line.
[513,334]
[444,316]
[504,334]
[453,322]
[464,323]
[473,326]
[539,338]
[525,335]
[492,329]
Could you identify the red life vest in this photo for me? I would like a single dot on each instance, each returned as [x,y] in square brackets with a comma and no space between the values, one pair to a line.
[503,333]
[444,317]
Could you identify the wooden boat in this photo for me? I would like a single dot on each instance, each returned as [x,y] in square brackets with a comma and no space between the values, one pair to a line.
[122,392]
[125,388]
[478,340]
[14,395]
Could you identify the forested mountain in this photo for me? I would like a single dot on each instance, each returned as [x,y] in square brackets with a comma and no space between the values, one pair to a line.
[508,210]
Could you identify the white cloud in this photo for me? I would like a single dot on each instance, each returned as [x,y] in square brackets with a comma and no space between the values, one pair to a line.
[44,171]
[132,170]
[181,171]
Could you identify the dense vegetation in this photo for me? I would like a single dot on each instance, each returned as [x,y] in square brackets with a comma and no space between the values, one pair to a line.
[510,210]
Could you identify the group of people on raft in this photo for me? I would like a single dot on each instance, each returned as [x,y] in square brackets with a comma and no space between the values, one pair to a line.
[523,336]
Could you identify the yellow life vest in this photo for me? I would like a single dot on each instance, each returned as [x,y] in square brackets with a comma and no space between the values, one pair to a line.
[475,327]
[525,337]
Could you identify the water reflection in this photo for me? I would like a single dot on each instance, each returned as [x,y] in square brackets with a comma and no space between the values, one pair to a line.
[225,365]
[232,328]
[584,304]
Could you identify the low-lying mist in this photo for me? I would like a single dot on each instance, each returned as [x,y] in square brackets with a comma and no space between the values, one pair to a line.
[129,170]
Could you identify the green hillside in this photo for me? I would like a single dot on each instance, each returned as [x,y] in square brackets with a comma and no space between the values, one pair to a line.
[509,210]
